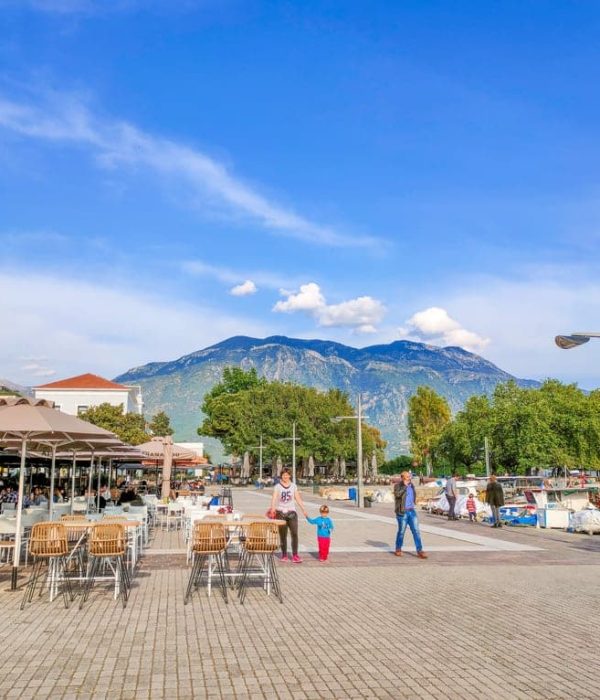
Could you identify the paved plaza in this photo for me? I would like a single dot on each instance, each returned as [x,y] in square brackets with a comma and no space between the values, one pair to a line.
[497,614]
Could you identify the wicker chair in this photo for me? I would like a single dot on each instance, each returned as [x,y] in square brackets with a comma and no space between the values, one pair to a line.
[48,546]
[209,545]
[107,545]
[135,538]
[260,543]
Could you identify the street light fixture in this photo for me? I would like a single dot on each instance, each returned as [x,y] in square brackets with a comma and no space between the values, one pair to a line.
[566,342]
[359,455]
[294,439]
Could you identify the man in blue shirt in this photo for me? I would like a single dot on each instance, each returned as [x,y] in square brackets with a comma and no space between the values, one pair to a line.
[406,514]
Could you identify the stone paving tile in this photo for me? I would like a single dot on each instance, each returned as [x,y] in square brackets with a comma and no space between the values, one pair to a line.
[461,625]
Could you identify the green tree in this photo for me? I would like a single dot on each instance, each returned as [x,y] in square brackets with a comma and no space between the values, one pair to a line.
[553,425]
[461,442]
[242,408]
[521,432]
[129,427]
[160,425]
[397,465]
[428,415]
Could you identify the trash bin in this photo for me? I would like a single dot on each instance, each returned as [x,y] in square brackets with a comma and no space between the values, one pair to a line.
[367,501]
[352,493]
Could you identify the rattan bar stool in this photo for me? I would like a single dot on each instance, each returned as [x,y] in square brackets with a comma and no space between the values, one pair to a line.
[48,547]
[209,545]
[107,545]
[259,545]
[134,538]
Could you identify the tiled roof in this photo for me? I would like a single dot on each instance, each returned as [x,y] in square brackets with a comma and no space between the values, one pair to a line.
[83,381]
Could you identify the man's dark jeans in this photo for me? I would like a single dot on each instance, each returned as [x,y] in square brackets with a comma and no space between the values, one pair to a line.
[451,504]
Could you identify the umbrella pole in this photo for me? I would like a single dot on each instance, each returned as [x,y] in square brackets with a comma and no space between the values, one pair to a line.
[90,476]
[17,551]
[98,489]
[52,471]
[74,466]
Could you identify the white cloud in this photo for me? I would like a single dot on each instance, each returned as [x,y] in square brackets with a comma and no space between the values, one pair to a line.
[434,325]
[362,314]
[71,327]
[226,275]
[122,145]
[523,316]
[309,298]
[244,289]
[36,370]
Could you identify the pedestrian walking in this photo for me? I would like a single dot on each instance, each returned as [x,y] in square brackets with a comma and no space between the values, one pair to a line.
[494,496]
[406,514]
[283,504]
[451,492]
[471,508]
[324,529]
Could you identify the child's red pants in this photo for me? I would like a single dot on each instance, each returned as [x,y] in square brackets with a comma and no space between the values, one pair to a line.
[324,543]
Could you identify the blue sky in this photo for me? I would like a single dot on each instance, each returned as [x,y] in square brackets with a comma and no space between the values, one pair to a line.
[174,173]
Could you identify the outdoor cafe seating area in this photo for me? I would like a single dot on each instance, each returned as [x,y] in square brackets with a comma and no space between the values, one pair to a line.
[67,547]
[73,552]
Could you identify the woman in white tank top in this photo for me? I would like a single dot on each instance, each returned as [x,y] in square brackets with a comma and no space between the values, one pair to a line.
[283,504]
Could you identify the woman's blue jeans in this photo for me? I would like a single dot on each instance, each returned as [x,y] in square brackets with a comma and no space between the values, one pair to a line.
[408,518]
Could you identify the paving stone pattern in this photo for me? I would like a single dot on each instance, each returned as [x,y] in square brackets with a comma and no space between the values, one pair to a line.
[506,625]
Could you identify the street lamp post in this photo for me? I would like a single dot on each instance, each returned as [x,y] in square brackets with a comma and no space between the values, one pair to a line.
[566,342]
[260,453]
[359,451]
[294,439]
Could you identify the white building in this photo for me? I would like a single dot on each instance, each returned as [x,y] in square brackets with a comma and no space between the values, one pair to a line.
[77,394]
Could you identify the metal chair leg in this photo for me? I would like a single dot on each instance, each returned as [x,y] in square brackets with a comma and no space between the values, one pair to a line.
[89,580]
[244,577]
[194,576]
[33,579]
[274,577]
[67,591]
[123,591]
[221,571]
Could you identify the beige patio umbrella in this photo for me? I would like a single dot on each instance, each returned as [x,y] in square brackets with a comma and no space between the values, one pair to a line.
[118,450]
[343,468]
[374,465]
[24,400]
[311,467]
[164,448]
[279,466]
[86,449]
[36,423]
[336,467]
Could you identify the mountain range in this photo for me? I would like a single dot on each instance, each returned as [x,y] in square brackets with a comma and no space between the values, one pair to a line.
[385,375]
